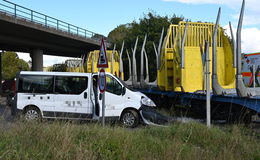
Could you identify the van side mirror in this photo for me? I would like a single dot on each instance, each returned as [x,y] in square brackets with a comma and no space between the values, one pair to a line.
[123,91]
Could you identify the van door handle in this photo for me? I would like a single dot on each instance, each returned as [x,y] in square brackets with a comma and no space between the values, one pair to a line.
[85,95]
[100,96]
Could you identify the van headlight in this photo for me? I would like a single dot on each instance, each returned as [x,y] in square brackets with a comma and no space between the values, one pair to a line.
[147,102]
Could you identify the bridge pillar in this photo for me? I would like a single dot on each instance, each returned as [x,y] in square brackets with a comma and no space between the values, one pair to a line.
[37,59]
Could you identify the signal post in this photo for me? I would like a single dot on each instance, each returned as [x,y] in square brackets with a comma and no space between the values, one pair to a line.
[102,64]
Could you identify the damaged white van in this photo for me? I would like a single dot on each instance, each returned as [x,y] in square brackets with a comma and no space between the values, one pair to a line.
[67,95]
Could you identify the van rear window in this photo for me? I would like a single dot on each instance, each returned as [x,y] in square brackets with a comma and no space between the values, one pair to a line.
[35,84]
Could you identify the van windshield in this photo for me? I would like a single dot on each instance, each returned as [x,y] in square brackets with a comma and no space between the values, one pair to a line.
[125,85]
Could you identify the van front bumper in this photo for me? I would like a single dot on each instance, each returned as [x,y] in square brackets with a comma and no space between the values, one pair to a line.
[152,117]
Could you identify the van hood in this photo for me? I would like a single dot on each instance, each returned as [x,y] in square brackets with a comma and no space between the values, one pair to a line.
[141,94]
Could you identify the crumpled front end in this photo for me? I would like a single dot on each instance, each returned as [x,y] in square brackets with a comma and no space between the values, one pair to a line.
[152,117]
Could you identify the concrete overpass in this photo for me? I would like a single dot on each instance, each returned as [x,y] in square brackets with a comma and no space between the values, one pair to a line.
[25,30]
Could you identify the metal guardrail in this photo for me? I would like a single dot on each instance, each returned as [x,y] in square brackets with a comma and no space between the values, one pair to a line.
[22,12]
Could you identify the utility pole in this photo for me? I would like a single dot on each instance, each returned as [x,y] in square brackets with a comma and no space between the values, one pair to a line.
[207,83]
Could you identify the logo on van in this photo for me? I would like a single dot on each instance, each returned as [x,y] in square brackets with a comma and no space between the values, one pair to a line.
[73,103]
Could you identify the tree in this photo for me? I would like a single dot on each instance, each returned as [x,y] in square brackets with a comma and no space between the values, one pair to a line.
[150,24]
[119,33]
[12,65]
[58,68]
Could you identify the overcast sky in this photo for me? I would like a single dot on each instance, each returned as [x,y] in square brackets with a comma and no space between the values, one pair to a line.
[102,16]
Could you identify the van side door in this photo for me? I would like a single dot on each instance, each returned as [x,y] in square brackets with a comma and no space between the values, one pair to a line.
[114,100]
[71,96]
[94,96]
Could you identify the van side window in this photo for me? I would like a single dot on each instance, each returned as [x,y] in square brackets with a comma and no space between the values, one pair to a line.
[113,86]
[35,84]
[70,85]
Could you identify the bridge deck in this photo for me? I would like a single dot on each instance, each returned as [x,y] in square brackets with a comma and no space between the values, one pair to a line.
[22,29]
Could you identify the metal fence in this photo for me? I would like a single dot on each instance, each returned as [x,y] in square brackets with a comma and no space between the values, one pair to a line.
[18,11]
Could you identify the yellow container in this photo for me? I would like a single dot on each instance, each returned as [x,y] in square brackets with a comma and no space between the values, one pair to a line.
[190,78]
[113,62]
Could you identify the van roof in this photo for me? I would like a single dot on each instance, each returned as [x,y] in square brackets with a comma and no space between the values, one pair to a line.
[54,73]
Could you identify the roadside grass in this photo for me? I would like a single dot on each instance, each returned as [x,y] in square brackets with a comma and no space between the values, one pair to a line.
[66,140]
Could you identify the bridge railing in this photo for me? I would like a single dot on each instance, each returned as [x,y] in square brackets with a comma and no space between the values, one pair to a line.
[22,12]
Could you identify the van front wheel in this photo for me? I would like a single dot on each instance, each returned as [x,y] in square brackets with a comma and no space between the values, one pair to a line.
[130,118]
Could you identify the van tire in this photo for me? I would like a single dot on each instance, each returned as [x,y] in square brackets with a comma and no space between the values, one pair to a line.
[32,113]
[130,118]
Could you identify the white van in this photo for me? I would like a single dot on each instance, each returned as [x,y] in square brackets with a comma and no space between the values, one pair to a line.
[67,95]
